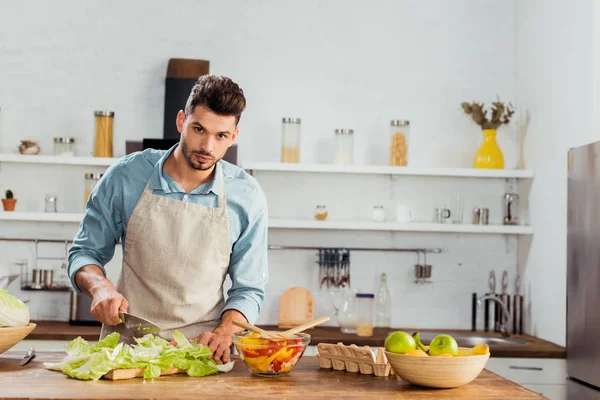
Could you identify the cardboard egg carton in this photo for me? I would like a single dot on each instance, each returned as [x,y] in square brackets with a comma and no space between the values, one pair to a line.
[354,359]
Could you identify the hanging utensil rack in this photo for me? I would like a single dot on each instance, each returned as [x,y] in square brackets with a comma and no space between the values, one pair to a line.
[334,263]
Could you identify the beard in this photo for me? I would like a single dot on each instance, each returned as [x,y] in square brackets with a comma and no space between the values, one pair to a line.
[187,154]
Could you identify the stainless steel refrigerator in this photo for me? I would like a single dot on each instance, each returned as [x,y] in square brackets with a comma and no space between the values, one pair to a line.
[583,265]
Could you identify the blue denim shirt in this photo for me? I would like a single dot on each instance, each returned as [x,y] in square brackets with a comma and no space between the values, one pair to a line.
[115,196]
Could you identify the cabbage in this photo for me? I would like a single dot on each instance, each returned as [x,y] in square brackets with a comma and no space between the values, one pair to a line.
[13,312]
[152,353]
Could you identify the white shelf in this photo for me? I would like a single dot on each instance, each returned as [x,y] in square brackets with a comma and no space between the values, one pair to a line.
[38,159]
[40,216]
[387,170]
[400,227]
[314,224]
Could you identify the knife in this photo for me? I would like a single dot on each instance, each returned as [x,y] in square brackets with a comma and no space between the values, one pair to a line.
[29,356]
[132,327]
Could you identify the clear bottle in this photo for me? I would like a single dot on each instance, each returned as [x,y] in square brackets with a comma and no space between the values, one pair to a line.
[344,153]
[400,135]
[383,304]
[290,140]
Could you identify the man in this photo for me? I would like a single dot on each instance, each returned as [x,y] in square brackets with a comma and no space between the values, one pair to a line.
[186,219]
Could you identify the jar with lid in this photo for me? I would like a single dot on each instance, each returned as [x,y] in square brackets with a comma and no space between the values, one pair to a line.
[364,326]
[378,215]
[290,140]
[91,180]
[64,146]
[104,134]
[400,134]
[321,212]
[344,146]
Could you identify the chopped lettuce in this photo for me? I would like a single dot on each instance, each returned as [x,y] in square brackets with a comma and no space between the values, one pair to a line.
[152,353]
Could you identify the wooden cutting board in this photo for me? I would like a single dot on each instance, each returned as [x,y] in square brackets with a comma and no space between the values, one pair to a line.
[296,307]
[131,373]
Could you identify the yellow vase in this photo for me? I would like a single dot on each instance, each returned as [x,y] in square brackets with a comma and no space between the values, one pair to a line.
[489,154]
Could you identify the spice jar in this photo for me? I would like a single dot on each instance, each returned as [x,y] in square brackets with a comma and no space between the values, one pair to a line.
[400,133]
[104,134]
[378,215]
[90,182]
[64,146]
[344,146]
[364,327]
[290,140]
[321,213]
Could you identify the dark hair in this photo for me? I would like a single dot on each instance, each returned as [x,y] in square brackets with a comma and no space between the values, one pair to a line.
[219,94]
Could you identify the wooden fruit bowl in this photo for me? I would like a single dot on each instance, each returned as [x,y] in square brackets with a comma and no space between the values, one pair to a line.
[9,337]
[437,372]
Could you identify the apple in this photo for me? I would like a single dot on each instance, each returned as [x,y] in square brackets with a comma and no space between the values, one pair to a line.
[400,342]
[443,344]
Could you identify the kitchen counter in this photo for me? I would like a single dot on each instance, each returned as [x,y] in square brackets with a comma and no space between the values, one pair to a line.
[535,348]
[306,381]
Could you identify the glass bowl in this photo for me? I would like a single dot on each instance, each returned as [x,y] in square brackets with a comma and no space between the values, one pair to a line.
[270,357]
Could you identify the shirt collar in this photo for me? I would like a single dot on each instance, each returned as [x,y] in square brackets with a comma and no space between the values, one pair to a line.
[160,180]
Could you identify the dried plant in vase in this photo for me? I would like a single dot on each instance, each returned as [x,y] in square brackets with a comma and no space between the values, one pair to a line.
[489,154]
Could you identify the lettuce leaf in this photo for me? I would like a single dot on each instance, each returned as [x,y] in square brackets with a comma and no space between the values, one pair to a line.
[13,312]
[152,353]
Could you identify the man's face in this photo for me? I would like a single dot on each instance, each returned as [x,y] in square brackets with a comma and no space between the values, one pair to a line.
[205,136]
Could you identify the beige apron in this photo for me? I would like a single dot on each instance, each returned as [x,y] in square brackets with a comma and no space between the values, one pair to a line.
[175,259]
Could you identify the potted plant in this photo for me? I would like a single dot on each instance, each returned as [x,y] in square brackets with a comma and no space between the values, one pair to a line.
[489,154]
[9,202]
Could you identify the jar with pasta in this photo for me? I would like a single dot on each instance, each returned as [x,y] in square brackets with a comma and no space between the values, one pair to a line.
[400,134]
[103,147]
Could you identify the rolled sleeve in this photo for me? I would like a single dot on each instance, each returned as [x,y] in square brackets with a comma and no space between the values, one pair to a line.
[248,266]
[100,228]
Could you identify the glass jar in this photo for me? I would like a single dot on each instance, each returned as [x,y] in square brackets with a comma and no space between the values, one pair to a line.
[64,146]
[400,134]
[344,146]
[364,326]
[50,204]
[104,134]
[90,183]
[378,215]
[321,212]
[290,140]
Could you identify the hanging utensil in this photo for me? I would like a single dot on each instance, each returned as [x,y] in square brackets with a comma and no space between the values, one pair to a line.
[492,292]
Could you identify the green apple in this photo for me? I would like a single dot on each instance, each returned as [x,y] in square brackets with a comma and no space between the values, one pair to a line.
[443,344]
[400,342]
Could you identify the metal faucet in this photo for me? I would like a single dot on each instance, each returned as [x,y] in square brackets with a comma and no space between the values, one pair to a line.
[506,316]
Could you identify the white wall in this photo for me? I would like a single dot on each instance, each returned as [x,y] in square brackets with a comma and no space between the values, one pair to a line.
[334,64]
[555,85]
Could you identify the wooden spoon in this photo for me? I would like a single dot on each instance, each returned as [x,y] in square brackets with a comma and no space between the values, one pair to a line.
[300,328]
[260,331]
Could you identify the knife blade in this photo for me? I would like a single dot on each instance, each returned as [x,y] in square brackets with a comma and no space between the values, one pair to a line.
[132,327]
[29,356]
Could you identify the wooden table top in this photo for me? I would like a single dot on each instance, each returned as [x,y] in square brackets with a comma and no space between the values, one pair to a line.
[535,348]
[306,381]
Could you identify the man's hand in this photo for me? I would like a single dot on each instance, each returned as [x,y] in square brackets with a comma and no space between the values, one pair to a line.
[219,344]
[106,301]
[219,340]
